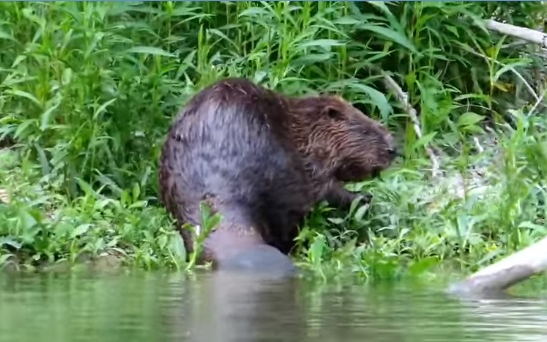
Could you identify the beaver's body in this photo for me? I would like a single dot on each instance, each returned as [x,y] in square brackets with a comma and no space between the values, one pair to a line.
[263,161]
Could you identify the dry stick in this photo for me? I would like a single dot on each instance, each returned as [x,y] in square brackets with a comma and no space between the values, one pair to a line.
[538,101]
[530,261]
[402,97]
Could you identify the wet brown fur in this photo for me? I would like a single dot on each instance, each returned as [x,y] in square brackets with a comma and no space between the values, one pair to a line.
[263,160]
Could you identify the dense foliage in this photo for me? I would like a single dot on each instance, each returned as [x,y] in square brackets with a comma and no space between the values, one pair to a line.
[88,90]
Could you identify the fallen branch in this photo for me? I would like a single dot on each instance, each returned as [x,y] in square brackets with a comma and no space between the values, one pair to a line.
[496,278]
[402,97]
[525,33]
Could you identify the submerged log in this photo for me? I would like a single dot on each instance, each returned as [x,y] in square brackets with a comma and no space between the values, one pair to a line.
[493,280]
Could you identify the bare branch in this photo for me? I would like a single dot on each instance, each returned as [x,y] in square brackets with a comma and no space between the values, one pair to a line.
[402,97]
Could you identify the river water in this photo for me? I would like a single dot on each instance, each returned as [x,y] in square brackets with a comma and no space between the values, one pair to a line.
[227,307]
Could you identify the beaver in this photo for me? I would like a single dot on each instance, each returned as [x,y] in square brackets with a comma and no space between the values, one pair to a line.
[263,160]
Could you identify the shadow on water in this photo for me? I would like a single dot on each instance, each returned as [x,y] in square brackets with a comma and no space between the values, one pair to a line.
[239,307]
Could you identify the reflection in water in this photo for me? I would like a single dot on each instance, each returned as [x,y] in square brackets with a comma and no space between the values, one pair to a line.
[241,307]
[523,319]
[237,307]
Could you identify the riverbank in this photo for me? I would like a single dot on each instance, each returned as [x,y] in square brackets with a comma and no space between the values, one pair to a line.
[486,205]
[89,89]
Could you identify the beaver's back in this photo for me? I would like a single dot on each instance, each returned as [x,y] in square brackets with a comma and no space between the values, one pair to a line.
[231,143]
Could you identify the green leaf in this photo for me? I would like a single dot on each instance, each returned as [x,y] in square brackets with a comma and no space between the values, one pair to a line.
[4,258]
[424,140]
[360,212]
[316,249]
[391,35]
[47,114]
[176,246]
[25,95]
[150,50]
[102,108]
[10,242]
[324,43]
[7,36]
[27,219]
[469,119]
[80,230]
[509,67]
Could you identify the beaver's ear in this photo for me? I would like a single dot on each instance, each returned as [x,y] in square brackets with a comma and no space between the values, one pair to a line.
[332,113]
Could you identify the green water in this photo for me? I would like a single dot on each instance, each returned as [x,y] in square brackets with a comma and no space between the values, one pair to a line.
[222,307]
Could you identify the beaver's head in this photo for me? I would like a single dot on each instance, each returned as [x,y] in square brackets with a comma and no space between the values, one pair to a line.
[351,145]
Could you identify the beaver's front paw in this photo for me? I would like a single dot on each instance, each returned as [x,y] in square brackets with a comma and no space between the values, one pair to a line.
[341,198]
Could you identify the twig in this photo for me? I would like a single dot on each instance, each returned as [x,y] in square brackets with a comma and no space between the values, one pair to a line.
[402,97]
[478,145]
[538,101]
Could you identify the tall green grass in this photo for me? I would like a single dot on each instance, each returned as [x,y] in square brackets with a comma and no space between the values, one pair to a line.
[89,89]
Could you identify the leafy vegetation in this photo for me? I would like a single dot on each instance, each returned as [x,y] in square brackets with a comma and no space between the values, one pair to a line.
[89,89]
